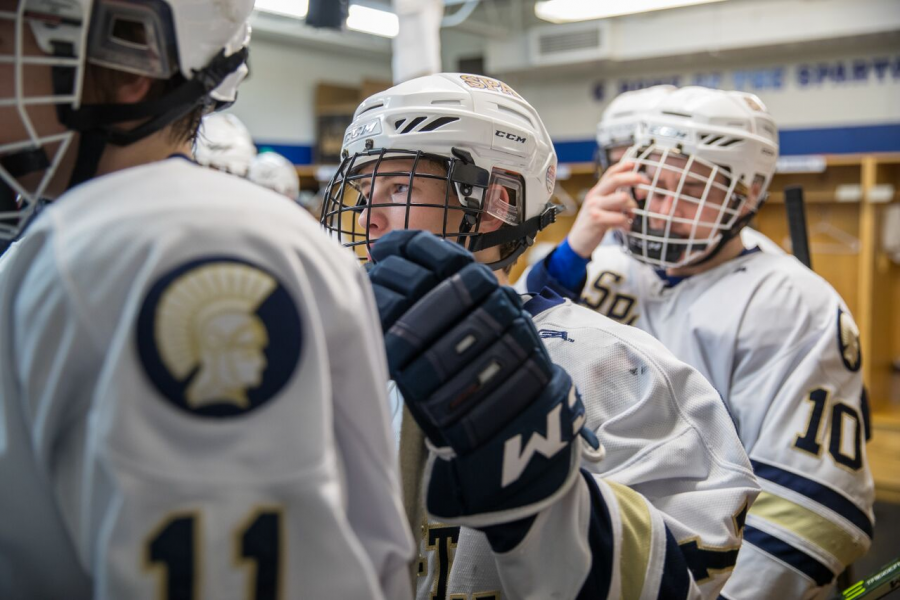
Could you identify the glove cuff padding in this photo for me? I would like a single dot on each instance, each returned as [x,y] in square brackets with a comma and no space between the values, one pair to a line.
[527,466]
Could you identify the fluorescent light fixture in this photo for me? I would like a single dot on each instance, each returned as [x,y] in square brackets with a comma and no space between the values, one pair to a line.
[361,18]
[372,20]
[287,8]
[567,11]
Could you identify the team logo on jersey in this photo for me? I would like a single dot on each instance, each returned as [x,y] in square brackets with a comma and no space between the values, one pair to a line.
[219,337]
[549,334]
[848,341]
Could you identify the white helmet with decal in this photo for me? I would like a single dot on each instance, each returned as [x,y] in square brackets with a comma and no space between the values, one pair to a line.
[722,145]
[620,120]
[272,170]
[224,143]
[199,45]
[486,136]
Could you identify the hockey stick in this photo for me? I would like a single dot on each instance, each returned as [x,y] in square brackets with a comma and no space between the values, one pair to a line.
[796,216]
[879,585]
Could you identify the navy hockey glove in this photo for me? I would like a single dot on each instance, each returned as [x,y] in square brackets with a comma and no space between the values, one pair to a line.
[502,420]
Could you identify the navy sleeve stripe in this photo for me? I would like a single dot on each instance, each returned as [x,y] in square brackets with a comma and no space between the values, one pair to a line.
[816,492]
[600,538]
[783,551]
[675,582]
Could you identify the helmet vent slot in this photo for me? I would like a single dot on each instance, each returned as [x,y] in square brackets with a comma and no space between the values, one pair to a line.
[398,123]
[438,123]
[413,124]
[373,107]
[515,112]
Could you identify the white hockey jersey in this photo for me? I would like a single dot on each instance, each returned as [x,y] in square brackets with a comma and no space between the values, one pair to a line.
[780,346]
[193,401]
[660,516]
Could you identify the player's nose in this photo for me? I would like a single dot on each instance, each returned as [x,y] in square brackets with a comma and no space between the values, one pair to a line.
[662,204]
[373,222]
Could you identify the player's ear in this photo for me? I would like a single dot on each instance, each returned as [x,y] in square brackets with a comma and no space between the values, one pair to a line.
[489,222]
[134,90]
[755,190]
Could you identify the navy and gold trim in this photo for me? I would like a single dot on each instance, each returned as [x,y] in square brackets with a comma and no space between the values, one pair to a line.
[816,492]
[600,538]
[789,555]
[806,524]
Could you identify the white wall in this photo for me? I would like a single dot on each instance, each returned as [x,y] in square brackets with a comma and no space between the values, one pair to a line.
[278,102]
[570,108]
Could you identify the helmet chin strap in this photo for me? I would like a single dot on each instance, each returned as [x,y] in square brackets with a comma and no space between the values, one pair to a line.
[18,164]
[96,122]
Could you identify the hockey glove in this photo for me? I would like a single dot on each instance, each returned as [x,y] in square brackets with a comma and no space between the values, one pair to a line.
[501,419]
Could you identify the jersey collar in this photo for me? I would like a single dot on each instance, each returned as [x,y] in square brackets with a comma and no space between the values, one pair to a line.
[671,281]
[544,301]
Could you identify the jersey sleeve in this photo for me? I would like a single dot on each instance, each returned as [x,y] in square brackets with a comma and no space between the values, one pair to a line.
[799,400]
[362,415]
[662,514]
[212,416]
[539,275]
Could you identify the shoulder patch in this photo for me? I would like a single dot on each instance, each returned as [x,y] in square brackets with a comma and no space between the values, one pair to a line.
[218,336]
[848,341]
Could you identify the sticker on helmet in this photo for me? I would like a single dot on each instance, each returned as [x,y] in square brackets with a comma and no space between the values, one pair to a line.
[551,178]
[478,82]
[218,337]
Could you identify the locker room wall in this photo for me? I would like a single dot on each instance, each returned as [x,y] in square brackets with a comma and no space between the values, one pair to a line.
[277,103]
[841,95]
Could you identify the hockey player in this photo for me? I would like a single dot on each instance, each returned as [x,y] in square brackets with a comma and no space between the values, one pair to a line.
[191,387]
[273,171]
[656,508]
[615,134]
[776,340]
[224,143]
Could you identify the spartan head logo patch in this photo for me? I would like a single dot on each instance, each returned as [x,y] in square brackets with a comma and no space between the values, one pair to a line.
[848,341]
[218,337]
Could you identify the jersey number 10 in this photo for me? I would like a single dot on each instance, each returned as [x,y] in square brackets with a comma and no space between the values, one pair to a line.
[843,417]
[173,551]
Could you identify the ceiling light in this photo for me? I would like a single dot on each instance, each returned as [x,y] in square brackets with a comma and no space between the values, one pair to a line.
[567,11]
[374,21]
[288,8]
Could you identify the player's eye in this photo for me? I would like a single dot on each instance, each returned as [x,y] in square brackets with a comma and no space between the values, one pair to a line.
[400,189]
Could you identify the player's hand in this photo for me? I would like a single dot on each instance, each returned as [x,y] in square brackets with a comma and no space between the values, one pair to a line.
[605,207]
[502,420]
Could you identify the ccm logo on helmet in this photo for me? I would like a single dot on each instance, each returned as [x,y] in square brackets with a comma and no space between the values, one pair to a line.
[510,136]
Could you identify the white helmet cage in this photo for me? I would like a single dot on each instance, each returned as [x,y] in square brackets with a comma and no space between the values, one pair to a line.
[203,41]
[224,143]
[479,132]
[720,149]
[273,171]
[620,120]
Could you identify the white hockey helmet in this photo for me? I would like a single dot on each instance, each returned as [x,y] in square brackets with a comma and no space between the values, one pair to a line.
[272,170]
[225,144]
[620,120]
[483,133]
[200,42]
[710,154]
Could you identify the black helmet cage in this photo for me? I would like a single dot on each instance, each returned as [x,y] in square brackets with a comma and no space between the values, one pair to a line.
[461,222]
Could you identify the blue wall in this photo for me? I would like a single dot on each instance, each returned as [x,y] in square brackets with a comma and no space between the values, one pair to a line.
[836,140]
